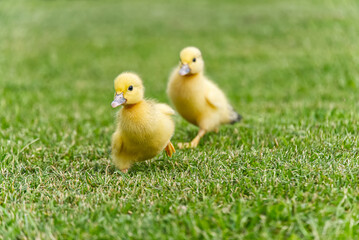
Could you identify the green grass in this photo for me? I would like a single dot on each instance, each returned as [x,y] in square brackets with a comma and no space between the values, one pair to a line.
[289,171]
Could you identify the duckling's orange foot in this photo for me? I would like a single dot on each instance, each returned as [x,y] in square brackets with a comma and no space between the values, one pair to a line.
[195,142]
[170,149]
[124,170]
[183,145]
[192,144]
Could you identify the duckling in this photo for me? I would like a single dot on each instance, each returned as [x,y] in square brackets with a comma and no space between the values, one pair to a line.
[196,98]
[144,127]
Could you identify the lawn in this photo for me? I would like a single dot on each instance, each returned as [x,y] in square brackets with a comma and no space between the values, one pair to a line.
[289,170]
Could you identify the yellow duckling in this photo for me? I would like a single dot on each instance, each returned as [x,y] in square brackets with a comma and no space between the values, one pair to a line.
[196,98]
[144,127]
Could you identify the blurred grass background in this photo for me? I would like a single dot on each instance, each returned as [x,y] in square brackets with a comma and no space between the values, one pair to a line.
[289,170]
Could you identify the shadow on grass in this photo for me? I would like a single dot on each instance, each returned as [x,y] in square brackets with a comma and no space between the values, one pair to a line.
[154,165]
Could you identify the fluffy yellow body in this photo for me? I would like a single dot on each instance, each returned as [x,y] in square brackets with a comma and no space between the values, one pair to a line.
[144,130]
[144,127]
[196,98]
[199,101]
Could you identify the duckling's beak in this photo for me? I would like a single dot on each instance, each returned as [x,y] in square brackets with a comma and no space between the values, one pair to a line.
[184,70]
[119,100]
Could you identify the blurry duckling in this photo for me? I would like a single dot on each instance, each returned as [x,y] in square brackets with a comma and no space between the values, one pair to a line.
[196,98]
[144,127]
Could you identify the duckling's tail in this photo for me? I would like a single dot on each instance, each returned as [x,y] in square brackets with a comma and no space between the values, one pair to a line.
[236,117]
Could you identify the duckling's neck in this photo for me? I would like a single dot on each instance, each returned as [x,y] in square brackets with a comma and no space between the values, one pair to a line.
[132,118]
[129,111]
[193,76]
[133,106]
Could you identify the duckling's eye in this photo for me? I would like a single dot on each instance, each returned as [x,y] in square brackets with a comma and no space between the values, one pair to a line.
[194,60]
[130,88]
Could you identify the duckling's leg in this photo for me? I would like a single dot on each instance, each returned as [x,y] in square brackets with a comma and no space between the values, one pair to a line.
[194,142]
[170,149]
[118,161]
[122,165]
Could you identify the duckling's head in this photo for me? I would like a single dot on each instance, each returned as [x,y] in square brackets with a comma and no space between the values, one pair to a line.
[191,61]
[128,89]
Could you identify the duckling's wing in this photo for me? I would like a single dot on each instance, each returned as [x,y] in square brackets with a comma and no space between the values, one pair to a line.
[117,142]
[165,109]
[211,100]
[216,99]
[214,96]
